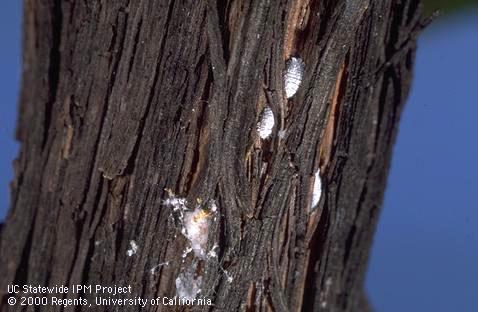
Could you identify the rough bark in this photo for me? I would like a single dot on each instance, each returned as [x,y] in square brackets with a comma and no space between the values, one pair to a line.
[123,100]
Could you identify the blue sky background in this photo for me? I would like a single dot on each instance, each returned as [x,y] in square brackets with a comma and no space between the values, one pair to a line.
[10,69]
[425,252]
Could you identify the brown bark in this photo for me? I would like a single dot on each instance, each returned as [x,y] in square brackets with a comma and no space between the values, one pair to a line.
[122,100]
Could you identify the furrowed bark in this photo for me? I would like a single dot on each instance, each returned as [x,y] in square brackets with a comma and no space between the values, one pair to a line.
[124,101]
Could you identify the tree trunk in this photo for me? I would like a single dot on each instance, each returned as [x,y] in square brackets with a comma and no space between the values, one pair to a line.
[129,107]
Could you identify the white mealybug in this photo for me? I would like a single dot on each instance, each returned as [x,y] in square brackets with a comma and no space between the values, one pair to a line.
[195,223]
[317,191]
[266,123]
[196,229]
[293,75]
[133,248]
[188,283]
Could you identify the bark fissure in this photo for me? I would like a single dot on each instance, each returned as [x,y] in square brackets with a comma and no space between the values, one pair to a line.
[54,65]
